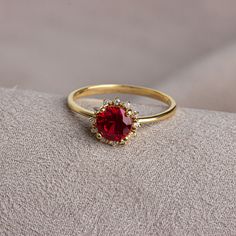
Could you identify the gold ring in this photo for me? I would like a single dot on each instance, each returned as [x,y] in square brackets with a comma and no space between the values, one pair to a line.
[115,121]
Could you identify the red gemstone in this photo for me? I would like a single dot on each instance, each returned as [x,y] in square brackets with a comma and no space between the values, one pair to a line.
[113,124]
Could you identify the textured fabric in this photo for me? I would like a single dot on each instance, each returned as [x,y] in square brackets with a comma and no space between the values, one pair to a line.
[177,177]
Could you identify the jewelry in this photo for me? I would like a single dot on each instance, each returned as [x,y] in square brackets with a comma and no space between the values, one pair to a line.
[115,121]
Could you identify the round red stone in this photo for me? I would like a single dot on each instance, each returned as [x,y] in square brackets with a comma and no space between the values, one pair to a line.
[113,124]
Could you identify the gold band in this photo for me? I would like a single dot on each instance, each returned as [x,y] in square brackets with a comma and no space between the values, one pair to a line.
[128,89]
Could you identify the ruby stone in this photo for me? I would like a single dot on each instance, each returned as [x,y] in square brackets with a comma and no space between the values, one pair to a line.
[113,124]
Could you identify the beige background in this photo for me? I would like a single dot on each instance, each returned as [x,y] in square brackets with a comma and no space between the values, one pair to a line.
[184,47]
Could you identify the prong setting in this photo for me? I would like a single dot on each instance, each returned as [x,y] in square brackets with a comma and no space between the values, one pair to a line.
[128,112]
[98,136]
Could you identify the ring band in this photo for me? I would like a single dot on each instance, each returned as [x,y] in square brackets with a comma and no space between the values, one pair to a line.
[116,104]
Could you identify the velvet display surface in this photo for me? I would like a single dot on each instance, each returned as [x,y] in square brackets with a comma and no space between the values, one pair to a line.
[177,177]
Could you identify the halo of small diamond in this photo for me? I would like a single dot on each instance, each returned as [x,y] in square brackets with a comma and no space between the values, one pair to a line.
[115,122]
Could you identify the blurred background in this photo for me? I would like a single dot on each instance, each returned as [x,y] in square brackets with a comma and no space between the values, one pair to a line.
[186,48]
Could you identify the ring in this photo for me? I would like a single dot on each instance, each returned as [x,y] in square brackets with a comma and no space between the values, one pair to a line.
[115,121]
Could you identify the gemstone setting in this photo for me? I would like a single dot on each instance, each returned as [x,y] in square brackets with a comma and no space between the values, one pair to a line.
[114,122]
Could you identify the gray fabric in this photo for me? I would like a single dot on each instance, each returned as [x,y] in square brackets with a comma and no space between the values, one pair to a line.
[177,177]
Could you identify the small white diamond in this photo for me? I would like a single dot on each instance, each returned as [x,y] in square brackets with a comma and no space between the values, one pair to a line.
[129,112]
[103,140]
[135,114]
[106,102]
[122,142]
[94,130]
[112,143]
[137,125]
[117,101]
[127,104]
[92,119]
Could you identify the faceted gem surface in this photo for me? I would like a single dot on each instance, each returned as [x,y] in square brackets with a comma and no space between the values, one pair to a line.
[113,124]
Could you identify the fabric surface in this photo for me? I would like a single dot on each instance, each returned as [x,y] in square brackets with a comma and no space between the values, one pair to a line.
[59,45]
[177,177]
